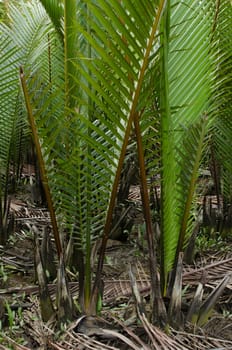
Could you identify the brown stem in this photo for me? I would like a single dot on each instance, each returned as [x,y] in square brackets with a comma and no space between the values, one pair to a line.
[145,197]
[158,309]
[41,163]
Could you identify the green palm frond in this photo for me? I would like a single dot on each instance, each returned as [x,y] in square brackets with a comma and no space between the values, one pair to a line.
[21,45]
[20,142]
[27,39]
[222,96]
[9,121]
[101,126]
[31,36]
[195,143]
[8,92]
[186,76]
[9,97]
[92,135]
[55,11]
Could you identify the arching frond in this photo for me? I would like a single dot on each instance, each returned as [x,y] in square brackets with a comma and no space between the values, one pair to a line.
[186,75]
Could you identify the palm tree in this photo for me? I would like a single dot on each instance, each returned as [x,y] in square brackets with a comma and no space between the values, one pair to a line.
[94,73]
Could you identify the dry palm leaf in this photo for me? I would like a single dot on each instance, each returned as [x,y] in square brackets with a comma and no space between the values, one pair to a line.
[119,290]
[201,342]
[214,272]
[126,338]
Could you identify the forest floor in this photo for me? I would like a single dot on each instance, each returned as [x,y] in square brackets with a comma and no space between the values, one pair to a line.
[120,326]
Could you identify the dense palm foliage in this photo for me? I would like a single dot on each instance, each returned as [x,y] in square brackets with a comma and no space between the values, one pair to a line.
[221,144]
[99,74]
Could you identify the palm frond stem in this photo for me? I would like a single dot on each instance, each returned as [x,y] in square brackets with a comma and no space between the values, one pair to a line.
[70,10]
[159,316]
[41,163]
[135,100]
[167,144]
[88,185]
